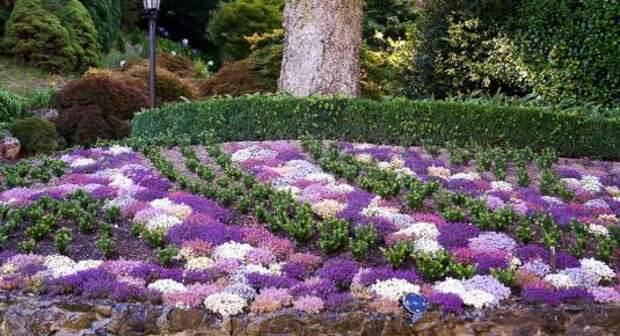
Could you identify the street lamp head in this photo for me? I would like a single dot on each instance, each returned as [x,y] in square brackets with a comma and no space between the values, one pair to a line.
[151,4]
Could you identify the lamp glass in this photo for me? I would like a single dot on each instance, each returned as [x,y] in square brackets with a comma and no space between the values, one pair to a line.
[151,4]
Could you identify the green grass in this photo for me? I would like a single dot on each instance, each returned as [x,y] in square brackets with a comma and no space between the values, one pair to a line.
[27,81]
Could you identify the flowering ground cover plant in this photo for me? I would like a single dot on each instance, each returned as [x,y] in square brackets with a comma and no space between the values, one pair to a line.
[256,227]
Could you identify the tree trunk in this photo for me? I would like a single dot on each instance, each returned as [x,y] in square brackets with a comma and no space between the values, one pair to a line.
[322,47]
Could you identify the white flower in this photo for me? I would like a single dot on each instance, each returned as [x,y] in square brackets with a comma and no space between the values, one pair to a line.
[198,263]
[167,286]
[321,177]
[363,157]
[450,285]
[116,150]
[252,152]
[86,265]
[465,176]
[591,183]
[82,162]
[598,230]
[478,299]
[210,63]
[328,208]
[393,289]
[162,222]
[427,246]
[501,186]
[598,269]
[440,172]
[420,230]
[560,280]
[59,265]
[274,269]
[120,181]
[225,304]
[232,250]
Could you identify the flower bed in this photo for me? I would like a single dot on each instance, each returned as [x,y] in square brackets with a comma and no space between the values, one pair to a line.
[334,242]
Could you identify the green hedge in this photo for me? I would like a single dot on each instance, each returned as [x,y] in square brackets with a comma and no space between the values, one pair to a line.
[398,121]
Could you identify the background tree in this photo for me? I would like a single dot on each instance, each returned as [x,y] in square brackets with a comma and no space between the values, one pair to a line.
[323,43]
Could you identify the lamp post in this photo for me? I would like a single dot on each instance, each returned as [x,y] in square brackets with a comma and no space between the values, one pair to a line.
[152,9]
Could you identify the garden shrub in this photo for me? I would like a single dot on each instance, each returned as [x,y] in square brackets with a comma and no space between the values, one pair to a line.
[395,121]
[169,88]
[179,65]
[36,135]
[235,79]
[106,15]
[37,37]
[82,32]
[117,98]
[11,106]
[234,20]
[86,123]
[571,48]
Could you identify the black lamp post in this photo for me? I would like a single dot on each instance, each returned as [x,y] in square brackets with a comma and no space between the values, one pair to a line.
[152,9]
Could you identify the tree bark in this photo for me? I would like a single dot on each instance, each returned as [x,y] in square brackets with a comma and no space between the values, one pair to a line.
[322,49]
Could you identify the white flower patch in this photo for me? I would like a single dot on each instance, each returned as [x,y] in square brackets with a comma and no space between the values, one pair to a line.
[598,269]
[559,280]
[613,191]
[427,246]
[450,285]
[551,200]
[293,190]
[478,299]
[232,250]
[440,172]
[273,269]
[252,152]
[501,186]
[120,181]
[328,208]
[598,230]
[121,201]
[571,183]
[59,265]
[117,150]
[167,286]
[591,183]
[364,157]
[465,176]
[198,263]
[162,222]
[86,265]
[341,188]
[420,230]
[321,177]
[82,162]
[393,289]
[225,304]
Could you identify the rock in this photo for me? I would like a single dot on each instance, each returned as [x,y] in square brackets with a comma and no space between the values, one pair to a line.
[47,114]
[10,147]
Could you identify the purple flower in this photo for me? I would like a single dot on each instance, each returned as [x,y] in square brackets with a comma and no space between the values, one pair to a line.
[200,276]
[323,288]
[486,261]
[260,281]
[337,300]
[202,205]
[384,273]
[208,230]
[92,283]
[450,303]
[340,271]
[575,295]
[456,234]
[151,272]
[540,295]
[148,195]
[104,192]
[125,292]
[294,270]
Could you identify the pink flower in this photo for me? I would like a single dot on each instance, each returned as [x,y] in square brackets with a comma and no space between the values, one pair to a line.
[309,304]
[270,300]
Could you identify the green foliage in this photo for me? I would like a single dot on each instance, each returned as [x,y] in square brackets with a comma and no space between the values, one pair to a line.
[38,37]
[82,33]
[106,16]
[333,235]
[188,19]
[11,106]
[62,239]
[390,19]
[365,239]
[397,254]
[234,20]
[397,121]
[166,256]
[36,135]
[106,245]
[433,267]
[507,277]
[571,49]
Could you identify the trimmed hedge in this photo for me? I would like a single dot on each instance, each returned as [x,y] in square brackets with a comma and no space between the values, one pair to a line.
[397,121]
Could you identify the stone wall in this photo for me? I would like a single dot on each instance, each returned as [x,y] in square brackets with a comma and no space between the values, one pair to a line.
[21,315]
